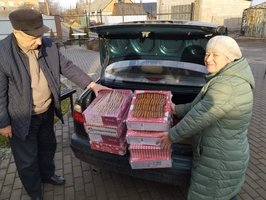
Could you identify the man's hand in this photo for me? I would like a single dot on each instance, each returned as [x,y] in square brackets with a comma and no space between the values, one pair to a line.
[164,142]
[6,132]
[97,87]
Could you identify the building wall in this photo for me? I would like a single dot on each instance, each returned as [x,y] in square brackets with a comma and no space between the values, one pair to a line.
[109,8]
[226,12]
[164,7]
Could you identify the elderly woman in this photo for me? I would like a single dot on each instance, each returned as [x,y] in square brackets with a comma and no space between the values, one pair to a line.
[217,122]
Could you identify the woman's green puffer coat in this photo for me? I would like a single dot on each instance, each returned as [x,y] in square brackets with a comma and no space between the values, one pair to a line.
[217,121]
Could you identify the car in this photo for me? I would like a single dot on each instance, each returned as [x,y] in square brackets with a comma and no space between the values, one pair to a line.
[92,23]
[147,55]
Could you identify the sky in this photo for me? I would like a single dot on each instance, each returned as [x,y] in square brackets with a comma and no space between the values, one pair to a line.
[66,4]
[255,2]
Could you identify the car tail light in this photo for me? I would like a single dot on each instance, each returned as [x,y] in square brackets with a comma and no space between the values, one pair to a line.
[77,115]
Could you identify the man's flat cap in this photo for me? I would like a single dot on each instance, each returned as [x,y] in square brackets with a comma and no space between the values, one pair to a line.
[29,21]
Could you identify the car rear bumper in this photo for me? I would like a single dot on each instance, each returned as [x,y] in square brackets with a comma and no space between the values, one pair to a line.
[179,174]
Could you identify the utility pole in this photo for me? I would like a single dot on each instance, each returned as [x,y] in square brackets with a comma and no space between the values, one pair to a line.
[122,10]
[88,6]
[47,7]
[87,24]
[89,11]
[158,12]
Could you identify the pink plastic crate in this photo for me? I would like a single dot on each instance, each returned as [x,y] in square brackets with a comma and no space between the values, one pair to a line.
[109,108]
[150,124]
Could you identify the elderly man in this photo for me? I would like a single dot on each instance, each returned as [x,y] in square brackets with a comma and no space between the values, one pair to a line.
[30,71]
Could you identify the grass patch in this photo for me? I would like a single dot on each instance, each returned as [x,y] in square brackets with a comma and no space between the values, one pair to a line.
[3,142]
[65,106]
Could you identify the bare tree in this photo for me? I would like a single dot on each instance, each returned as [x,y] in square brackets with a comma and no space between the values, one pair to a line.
[50,7]
[28,5]
[54,7]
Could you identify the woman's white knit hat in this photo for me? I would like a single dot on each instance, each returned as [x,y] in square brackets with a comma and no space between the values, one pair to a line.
[226,45]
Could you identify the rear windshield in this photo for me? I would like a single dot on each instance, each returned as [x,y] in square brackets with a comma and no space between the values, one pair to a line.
[156,72]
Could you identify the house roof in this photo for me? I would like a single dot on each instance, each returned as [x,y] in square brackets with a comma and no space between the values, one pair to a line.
[128,9]
[99,4]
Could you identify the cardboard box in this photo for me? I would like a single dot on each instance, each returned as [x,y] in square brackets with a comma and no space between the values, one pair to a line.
[109,108]
[150,124]
[108,139]
[106,130]
[113,140]
[149,164]
[149,156]
[148,152]
[144,137]
[108,148]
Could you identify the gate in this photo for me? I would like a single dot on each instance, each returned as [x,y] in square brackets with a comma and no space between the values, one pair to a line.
[182,12]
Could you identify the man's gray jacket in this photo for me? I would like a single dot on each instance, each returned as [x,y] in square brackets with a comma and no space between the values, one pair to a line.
[15,82]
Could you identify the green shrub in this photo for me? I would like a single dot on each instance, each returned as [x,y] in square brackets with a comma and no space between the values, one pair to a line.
[71,37]
[85,30]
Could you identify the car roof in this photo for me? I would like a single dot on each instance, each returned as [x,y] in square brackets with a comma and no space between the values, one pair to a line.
[168,26]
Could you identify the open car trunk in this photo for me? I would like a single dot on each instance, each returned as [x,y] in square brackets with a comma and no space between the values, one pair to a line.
[148,55]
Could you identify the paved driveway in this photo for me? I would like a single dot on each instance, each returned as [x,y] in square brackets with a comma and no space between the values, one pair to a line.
[255,185]
[87,182]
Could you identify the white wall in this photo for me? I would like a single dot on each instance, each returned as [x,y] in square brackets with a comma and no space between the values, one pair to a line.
[6,27]
[117,19]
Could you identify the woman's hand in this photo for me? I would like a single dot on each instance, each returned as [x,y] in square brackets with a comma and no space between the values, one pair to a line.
[96,88]
[6,132]
[173,108]
[164,142]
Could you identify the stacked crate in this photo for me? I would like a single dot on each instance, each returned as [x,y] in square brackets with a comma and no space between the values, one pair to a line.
[105,121]
[148,119]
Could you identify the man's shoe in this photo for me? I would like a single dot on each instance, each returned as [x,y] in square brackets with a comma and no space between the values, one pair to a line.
[55,180]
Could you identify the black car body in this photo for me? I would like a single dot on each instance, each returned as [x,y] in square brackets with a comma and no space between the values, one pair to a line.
[153,55]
